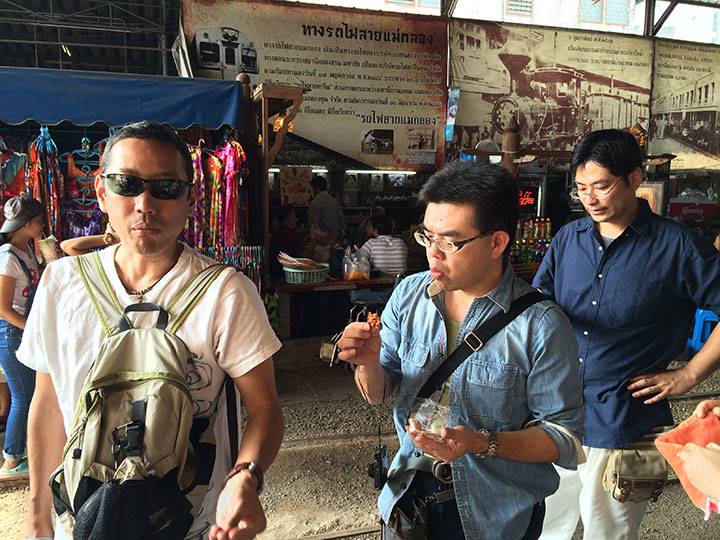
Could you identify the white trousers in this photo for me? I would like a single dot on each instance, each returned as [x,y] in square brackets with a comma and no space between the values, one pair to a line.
[581,495]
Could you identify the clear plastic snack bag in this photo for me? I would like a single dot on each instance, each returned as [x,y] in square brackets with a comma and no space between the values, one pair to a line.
[428,416]
[355,265]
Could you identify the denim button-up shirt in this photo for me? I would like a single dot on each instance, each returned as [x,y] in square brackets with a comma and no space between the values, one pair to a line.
[632,306]
[527,371]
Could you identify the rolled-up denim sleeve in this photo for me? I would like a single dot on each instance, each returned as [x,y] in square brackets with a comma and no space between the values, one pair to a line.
[554,386]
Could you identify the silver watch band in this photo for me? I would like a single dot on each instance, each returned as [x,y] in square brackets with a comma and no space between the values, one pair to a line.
[492,445]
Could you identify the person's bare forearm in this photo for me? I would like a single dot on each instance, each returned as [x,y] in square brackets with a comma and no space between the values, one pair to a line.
[374,383]
[707,359]
[13,317]
[262,437]
[46,439]
[83,244]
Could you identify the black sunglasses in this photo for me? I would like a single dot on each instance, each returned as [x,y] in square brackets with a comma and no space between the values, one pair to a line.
[127,185]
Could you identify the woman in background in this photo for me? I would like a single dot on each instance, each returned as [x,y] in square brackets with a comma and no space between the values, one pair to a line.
[19,275]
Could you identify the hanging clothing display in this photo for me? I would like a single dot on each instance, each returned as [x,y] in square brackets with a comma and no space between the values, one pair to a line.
[195,234]
[81,214]
[234,162]
[12,174]
[219,221]
[45,181]
[220,201]
[219,224]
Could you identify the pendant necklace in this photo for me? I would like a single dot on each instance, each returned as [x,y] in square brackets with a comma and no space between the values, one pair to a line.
[139,293]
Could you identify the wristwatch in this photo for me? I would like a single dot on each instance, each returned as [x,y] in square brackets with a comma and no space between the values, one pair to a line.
[492,444]
[250,466]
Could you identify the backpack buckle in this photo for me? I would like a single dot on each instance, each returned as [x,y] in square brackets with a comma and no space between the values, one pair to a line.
[127,441]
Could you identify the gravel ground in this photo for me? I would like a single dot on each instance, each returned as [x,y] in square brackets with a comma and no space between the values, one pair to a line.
[319,488]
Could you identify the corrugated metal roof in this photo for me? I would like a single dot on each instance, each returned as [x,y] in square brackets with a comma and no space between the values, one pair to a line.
[93,35]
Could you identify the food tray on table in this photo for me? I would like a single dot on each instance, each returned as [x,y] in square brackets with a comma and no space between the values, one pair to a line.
[315,275]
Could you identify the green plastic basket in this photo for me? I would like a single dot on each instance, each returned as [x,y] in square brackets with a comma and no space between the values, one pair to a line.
[295,275]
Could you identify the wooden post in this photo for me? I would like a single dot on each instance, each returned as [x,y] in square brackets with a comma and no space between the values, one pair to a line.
[268,100]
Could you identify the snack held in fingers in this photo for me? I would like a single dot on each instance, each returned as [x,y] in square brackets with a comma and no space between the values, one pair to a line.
[373,319]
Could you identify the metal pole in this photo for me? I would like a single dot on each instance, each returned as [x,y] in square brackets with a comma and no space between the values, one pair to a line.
[76,44]
[664,17]
[163,55]
[649,17]
[59,46]
[37,63]
[163,41]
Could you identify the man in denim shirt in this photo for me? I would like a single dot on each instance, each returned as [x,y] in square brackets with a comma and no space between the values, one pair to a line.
[500,467]
[630,282]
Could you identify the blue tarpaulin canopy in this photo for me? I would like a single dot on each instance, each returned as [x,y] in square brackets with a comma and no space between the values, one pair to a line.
[50,96]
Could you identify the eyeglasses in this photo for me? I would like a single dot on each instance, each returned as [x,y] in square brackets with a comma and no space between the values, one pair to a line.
[127,185]
[446,246]
[599,193]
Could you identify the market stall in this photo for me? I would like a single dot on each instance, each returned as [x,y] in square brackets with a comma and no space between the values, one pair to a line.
[219,226]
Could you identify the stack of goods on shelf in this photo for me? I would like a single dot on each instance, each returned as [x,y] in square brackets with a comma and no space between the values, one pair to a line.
[532,240]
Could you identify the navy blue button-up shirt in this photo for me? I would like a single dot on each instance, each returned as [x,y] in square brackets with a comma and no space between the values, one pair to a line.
[632,306]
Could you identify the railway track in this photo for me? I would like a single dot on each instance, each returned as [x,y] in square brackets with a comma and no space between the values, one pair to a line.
[347,533]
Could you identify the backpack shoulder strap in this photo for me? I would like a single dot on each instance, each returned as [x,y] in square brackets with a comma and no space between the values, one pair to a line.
[191,293]
[103,297]
[23,265]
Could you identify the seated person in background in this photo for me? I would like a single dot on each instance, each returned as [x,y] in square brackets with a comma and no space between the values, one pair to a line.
[387,255]
[362,235]
[286,239]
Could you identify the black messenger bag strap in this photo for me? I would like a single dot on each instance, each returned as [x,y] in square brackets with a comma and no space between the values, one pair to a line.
[475,339]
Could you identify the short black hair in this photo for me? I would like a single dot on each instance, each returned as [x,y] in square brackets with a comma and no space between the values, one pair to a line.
[150,131]
[617,150]
[488,188]
[382,224]
[319,182]
[283,212]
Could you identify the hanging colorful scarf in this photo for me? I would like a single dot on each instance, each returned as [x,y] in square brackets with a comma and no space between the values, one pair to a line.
[45,179]
[234,162]
[228,154]
[195,229]
[213,173]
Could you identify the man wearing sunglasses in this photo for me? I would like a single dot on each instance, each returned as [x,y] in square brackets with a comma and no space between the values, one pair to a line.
[484,472]
[630,282]
[145,190]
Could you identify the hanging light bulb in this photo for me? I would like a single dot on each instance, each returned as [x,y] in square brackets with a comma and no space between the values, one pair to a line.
[280,121]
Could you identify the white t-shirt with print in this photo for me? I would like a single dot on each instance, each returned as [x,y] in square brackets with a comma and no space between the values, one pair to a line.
[227,331]
[9,266]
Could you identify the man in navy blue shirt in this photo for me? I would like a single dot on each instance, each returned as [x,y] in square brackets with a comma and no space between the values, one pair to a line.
[630,282]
